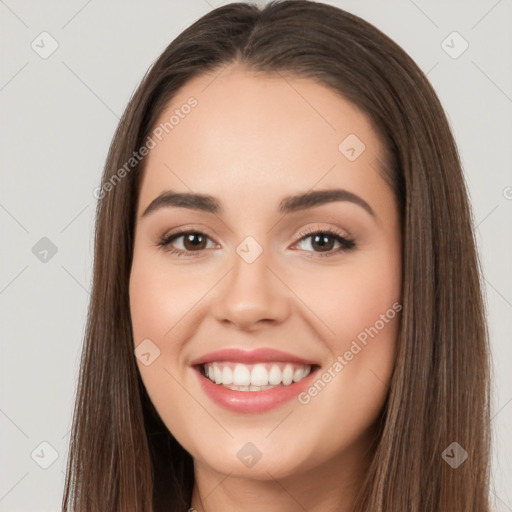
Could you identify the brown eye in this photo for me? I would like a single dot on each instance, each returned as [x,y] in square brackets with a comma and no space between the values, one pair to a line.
[192,242]
[323,242]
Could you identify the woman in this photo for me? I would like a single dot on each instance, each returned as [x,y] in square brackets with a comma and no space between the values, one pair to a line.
[286,310]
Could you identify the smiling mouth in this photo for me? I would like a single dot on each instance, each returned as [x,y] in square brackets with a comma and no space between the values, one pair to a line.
[254,377]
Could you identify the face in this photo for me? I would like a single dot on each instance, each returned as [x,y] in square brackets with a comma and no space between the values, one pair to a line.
[284,281]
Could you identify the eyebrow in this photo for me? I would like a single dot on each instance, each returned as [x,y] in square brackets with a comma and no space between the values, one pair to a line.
[302,201]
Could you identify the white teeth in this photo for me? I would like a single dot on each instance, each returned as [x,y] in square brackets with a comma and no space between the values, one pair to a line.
[227,375]
[255,377]
[259,376]
[301,373]
[241,375]
[288,375]
[275,376]
[217,374]
[248,388]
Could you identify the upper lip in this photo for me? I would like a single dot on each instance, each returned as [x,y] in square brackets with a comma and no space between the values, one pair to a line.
[260,355]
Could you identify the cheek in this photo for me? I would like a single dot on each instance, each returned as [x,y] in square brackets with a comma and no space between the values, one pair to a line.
[162,297]
[361,305]
[155,309]
[165,302]
[159,304]
[347,300]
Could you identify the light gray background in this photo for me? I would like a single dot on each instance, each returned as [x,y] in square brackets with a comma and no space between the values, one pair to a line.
[58,116]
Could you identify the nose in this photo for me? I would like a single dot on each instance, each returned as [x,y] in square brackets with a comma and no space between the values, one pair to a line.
[252,295]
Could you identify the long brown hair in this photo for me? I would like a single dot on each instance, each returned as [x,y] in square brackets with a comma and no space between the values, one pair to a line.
[122,457]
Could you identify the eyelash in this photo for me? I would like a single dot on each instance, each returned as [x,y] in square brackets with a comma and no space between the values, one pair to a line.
[347,244]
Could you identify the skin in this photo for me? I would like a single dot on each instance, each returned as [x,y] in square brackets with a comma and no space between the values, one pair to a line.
[252,140]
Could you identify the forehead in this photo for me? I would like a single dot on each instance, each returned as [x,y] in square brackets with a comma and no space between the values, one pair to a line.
[251,136]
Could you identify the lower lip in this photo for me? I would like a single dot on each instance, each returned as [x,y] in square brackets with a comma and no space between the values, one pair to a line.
[252,401]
